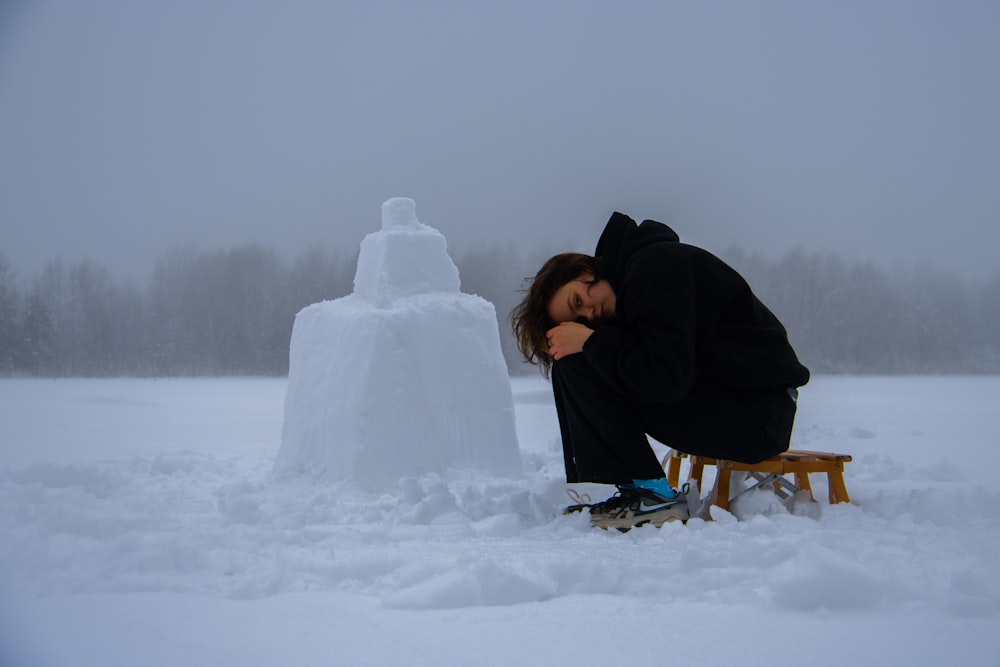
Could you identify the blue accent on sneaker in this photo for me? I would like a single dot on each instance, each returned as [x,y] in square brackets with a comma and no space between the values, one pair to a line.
[658,486]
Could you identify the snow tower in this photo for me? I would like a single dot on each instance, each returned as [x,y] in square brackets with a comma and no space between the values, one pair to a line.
[403,377]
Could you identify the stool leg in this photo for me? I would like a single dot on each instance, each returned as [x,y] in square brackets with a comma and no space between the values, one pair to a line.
[697,469]
[722,484]
[838,490]
[673,469]
[802,481]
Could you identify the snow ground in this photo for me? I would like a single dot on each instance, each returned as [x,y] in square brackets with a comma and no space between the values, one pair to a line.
[139,525]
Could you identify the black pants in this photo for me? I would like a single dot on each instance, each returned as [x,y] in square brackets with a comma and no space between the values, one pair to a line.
[604,433]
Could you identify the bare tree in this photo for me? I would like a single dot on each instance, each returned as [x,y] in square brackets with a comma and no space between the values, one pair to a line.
[9,307]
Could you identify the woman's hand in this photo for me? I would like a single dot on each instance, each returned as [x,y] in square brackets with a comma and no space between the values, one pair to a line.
[567,338]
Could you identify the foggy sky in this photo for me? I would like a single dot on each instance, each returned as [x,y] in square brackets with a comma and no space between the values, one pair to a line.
[867,129]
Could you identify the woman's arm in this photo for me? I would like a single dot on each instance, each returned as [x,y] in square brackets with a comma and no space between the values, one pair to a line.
[649,353]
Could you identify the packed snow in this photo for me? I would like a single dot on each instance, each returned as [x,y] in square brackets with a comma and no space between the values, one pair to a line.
[141,523]
[404,376]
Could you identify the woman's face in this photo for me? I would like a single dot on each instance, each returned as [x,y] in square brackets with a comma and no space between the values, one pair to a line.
[580,300]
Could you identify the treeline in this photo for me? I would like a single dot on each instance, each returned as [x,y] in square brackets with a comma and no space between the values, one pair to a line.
[231,312]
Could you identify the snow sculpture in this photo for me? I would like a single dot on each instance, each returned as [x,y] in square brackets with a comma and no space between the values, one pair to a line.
[402,377]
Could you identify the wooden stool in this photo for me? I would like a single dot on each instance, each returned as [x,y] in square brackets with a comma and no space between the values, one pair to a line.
[795,462]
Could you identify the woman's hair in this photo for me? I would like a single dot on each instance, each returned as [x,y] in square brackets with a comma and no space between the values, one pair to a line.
[530,319]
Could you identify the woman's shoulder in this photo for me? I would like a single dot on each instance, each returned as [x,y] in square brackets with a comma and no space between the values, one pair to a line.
[679,266]
[662,256]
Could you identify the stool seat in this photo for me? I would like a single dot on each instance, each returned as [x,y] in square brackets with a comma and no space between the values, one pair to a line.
[794,462]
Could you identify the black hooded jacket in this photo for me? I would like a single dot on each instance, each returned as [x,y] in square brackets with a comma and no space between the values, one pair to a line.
[683,319]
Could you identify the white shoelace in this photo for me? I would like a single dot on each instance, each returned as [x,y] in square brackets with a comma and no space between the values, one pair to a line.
[577,497]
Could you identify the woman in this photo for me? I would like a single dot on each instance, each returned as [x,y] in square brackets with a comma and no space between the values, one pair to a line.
[653,336]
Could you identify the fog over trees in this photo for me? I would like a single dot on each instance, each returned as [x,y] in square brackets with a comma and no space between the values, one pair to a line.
[214,312]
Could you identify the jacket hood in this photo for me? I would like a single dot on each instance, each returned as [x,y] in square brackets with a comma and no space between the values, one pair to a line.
[622,237]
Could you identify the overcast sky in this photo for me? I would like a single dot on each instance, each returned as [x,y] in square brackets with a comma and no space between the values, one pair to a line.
[864,128]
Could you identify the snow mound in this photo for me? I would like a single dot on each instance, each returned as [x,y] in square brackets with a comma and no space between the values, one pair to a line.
[403,377]
[225,528]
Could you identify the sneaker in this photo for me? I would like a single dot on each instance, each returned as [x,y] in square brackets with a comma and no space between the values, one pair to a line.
[635,506]
[581,501]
